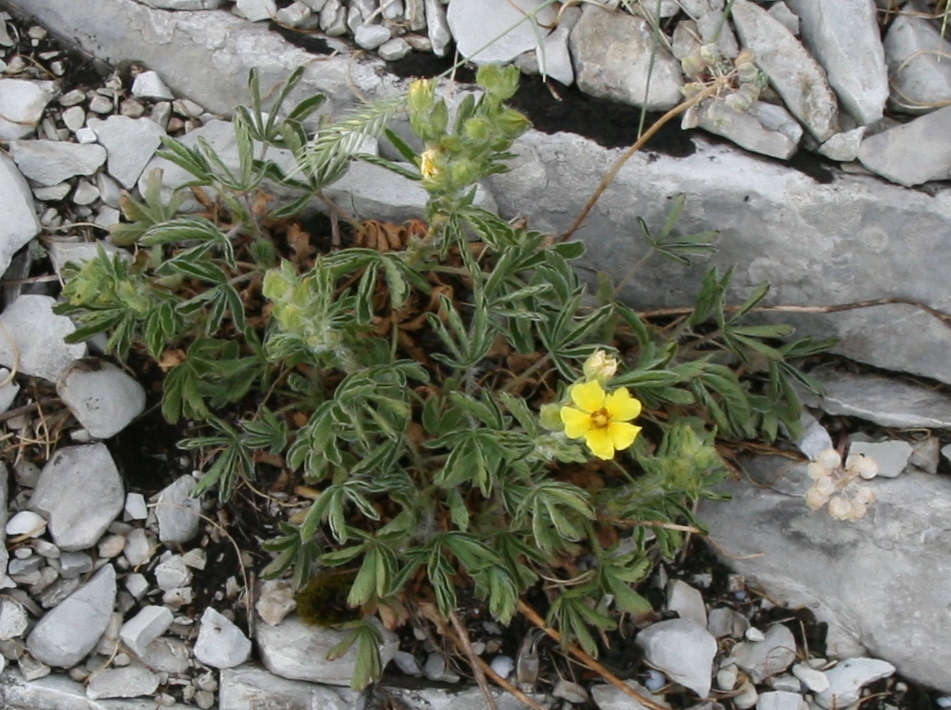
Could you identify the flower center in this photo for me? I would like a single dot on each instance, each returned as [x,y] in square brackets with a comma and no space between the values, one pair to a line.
[600,419]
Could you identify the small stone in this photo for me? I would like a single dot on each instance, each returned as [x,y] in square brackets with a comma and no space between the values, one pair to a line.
[503,665]
[572,692]
[817,681]
[746,697]
[892,456]
[220,643]
[256,10]
[371,36]
[177,512]
[73,564]
[26,522]
[911,153]
[148,85]
[129,682]
[71,98]
[130,144]
[275,601]
[13,619]
[437,24]
[490,31]
[762,659]
[54,193]
[100,104]
[172,573]
[754,634]
[294,15]
[74,118]
[22,104]
[394,49]
[843,147]
[146,626]
[137,585]
[52,162]
[139,547]
[111,546]
[779,700]
[847,679]
[135,508]
[686,601]
[38,335]
[683,650]
[86,193]
[102,397]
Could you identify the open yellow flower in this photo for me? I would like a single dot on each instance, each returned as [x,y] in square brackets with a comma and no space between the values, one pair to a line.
[600,418]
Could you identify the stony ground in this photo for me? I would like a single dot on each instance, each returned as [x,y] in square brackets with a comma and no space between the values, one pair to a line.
[120,586]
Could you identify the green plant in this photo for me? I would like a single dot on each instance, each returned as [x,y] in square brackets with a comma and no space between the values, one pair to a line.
[424,390]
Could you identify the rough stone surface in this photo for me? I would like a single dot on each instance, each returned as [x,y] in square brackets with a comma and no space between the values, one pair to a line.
[32,338]
[892,455]
[848,678]
[130,144]
[769,656]
[844,37]
[248,687]
[894,563]
[918,63]
[102,397]
[683,650]
[256,10]
[177,512]
[911,153]
[80,491]
[886,401]
[146,626]
[52,162]
[612,56]
[607,697]
[496,31]
[747,130]
[19,224]
[791,70]
[294,650]
[70,631]
[128,682]
[220,643]
[21,106]
[149,85]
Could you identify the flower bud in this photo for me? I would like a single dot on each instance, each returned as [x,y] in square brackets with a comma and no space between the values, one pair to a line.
[427,164]
[600,366]
[829,458]
[840,508]
[862,465]
[815,499]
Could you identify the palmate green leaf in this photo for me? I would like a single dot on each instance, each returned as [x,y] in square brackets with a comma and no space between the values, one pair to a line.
[368,667]
[571,615]
[495,585]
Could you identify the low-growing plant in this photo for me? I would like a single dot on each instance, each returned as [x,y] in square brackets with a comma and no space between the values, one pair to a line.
[472,422]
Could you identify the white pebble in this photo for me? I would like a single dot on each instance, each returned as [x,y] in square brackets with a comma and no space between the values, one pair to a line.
[655,680]
[26,522]
[503,665]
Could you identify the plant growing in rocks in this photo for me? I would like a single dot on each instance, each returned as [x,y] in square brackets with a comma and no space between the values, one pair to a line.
[838,485]
[469,424]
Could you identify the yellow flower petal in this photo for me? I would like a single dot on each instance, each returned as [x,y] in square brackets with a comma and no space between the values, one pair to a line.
[622,434]
[589,396]
[600,443]
[576,422]
[622,406]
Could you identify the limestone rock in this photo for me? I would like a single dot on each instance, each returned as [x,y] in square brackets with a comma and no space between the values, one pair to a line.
[51,162]
[917,58]
[149,85]
[613,53]
[911,153]
[771,655]
[795,75]
[102,397]
[129,143]
[607,697]
[294,650]
[130,681]
[256,10]
[683,650]
[248,687]
[19,224]
[80,492]
[845,38]
[802,558]
[848,678]
[34,338]
[177,512]
[183,4]
[437,25]
[220,643]
[497,31]
[748,130]
[892,455]
[70,631]
[22,104]
[146,626]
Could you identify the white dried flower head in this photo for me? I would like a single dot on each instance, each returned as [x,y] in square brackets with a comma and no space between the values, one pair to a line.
[840,508]
[829,458]
[859,509]
[864,495]
[862,465]
[815,499]
[600,366]
[816,471]
[825,485]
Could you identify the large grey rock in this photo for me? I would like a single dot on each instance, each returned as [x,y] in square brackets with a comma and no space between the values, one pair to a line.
[249,687]
[31,339]
[22,104]
[880,583]
[917,58]
[19,224]
[178,514]
[130,144]
[911,153]
[102,397]
[295,650]
[72,629]
[681,649]
[844,37]
[614,53]
[80,492]
[497,31]
[795,75]
[886,401]
[51,162]
[221,644]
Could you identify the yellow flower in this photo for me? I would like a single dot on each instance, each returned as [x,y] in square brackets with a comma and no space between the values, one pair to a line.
[427,164]
[601,418]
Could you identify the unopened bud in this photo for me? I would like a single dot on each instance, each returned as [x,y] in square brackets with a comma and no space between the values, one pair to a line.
[600,366]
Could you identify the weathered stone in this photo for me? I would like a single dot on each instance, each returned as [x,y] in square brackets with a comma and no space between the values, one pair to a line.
[80,491]
[248,687]
[911,153]
[52,162]
[893,564]
[177,512]
[613,55]
[21,106]
[220,643]
[295,650]
[791,70]
[183,4]
[497,31]
[256,10]
[848,678]
[19,224]
[394,49]
[102,397]
[149,85]
[130,144]
[892,455]
[128,682]
[69,632]
[844,146]
[33,335]
[769,656]
[886,401]
[747,130]
[844,37]
[437,26]
[686,601]
[146,626]
[917,56]
[607,697]
[683,650]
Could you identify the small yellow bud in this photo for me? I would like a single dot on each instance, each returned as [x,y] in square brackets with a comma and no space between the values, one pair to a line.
[427,164]
[600,366]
